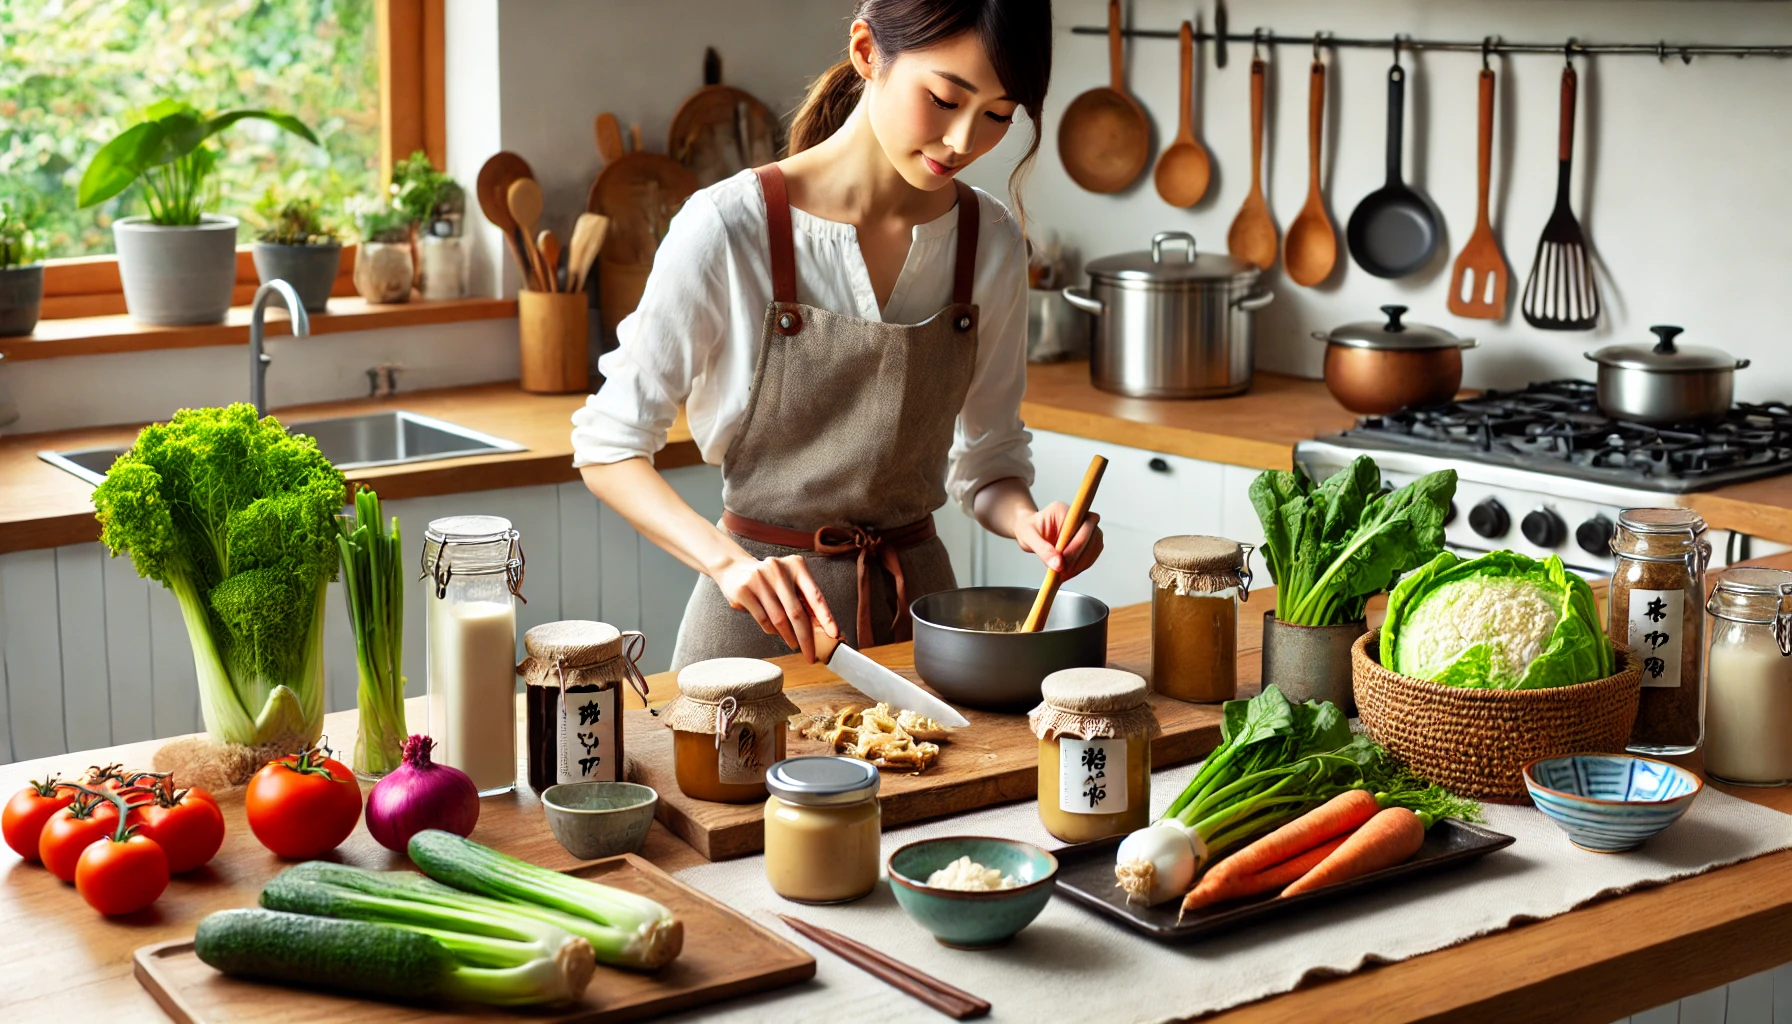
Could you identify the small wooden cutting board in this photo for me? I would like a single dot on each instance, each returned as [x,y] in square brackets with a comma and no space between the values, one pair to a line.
[725,955]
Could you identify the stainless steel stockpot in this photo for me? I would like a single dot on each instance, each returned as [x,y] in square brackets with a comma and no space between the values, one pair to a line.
[1666,383]
[1171,328]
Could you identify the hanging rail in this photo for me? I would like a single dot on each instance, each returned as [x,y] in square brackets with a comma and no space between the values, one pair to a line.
[1493,45]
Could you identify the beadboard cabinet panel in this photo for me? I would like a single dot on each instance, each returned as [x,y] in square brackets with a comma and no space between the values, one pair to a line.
[130,680]
[81,624]
[5,715]
[33,654]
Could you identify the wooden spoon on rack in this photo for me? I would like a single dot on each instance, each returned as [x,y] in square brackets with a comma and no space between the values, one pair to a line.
[1073,521]
[1311,248]
[1183,170]
[1253,234]
[525,206]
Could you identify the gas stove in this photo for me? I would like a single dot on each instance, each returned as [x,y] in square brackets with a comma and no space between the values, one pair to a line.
[1542,471]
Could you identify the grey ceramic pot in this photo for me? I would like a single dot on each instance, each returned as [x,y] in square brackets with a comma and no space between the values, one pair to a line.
[1002,671]
[177,275]
[1310,662]
[310,269]
[21,296]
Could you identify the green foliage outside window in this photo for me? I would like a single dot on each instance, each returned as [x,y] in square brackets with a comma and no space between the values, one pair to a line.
[18,240]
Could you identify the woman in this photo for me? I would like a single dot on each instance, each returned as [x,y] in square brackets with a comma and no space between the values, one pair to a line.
[847,328]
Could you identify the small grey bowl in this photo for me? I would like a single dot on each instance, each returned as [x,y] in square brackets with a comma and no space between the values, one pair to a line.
[1002,671]
[600,819]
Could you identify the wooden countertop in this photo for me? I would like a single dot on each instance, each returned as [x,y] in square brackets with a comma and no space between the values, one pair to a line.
[1589,966]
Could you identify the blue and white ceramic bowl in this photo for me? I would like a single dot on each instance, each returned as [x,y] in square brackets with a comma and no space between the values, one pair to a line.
[1610,802]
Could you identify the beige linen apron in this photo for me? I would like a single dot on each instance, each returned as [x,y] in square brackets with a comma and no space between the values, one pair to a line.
[841,455]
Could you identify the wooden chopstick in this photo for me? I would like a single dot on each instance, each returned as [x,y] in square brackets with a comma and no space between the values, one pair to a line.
[952,1001]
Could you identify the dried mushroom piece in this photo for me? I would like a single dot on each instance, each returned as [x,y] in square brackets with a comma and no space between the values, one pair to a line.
[877,734]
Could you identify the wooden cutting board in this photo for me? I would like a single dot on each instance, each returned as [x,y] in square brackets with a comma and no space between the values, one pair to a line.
[725,955]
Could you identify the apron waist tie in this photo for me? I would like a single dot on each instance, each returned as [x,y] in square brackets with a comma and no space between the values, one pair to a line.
[841,540]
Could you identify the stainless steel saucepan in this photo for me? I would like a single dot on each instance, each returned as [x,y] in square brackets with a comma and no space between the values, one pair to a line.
[1666,383]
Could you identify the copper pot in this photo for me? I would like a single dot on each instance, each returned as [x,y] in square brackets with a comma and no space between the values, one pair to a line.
[1373,369]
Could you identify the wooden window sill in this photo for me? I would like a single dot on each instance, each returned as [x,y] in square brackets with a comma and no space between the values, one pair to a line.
[102,335]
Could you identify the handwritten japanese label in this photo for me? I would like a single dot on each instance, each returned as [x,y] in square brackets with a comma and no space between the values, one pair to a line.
[1656,621]
[1092,775]
[588,730]
[744,757]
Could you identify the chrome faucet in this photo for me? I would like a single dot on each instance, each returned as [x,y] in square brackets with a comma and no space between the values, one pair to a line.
[259,360]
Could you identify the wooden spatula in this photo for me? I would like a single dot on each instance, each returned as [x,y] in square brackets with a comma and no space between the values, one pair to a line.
[525,207]
[1479,279]
[1073,521]
[587,239]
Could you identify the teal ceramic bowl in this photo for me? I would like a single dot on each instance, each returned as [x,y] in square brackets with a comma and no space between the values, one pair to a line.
[972,920]
[1608,803]
[600,819]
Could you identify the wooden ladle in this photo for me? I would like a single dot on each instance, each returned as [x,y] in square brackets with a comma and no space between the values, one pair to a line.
[1311,249]
[1183,169]
[1253,234]
[493,189]
[1104,138]
[525,206]
[1073,521]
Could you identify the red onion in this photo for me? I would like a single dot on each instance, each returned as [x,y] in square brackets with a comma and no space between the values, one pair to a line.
[421,794]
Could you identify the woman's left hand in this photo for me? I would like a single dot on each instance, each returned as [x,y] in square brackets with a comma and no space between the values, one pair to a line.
[1038,532]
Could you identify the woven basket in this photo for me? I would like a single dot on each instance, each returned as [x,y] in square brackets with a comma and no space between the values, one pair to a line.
[1475,743]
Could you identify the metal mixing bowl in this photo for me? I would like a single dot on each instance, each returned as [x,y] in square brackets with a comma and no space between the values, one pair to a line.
[1002,671]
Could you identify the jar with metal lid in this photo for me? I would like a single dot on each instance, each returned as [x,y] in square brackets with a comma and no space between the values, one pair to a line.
[473,566]
[823,829]
[1095,728]
[1197,584]
[1657,609]
[1748,678]
[727,724]
[572,699]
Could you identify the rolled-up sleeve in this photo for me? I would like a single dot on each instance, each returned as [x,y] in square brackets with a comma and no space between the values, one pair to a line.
[990,442]
[670,339]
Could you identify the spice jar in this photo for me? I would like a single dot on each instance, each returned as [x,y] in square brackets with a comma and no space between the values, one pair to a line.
[1095,729]
[1748,678]
[1197,584]
[572,699]
[1658,611]
[823,829]
[474,569]
[727,725]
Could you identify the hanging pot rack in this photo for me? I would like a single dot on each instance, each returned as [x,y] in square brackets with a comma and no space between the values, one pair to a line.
[1487,47]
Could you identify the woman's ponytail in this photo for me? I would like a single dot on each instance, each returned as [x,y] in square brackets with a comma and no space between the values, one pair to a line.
[830,102]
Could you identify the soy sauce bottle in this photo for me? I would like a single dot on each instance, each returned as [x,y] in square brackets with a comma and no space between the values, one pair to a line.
[574,677]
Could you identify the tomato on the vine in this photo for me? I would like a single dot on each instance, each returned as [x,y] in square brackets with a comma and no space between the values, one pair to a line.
[187,826]
[22,823]
[71,830]
[303,805]
[121,876]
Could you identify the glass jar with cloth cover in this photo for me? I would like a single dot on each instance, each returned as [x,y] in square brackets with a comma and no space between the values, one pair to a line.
[727,724]
[1095,728]
[1197,583]
[573,678]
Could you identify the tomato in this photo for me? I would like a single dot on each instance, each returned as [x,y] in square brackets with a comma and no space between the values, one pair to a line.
[304,805]
[67,833]
[117,877]
[189,830]
[22,823]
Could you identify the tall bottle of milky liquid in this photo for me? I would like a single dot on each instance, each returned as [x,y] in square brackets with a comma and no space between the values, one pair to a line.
[473,569]
[1748,668]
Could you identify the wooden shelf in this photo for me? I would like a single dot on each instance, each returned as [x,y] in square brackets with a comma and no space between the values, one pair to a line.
[101,335]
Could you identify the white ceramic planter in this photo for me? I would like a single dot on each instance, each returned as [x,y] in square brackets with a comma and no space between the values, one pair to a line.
[384,272]
[444,269]
[177,275]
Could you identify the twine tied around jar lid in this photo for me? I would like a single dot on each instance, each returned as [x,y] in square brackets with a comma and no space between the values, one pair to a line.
[1093,703]
[587,652]
[1193,564]
[715,695]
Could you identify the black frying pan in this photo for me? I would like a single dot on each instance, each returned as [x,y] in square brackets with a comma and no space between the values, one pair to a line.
[1393,231]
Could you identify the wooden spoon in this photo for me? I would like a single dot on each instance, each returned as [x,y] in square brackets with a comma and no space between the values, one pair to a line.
[609,138]
[1073,521]
[1104,137]
[550,257]
[1311,249]
[493,189]
[1253,234]
[1183,170]
[587,239]
[525,206]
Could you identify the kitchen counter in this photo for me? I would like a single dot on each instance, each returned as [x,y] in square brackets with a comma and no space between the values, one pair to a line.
[1592,965]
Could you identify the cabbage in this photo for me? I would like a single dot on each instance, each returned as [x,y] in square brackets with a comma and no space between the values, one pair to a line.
[1501,621]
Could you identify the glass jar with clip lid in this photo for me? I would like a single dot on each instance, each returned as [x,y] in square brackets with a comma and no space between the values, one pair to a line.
[1748,678]
[474,569]
[1657,609]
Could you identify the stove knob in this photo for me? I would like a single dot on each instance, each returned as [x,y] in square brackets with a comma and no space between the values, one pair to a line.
[1543,528]
[1595,536]
[1489,519]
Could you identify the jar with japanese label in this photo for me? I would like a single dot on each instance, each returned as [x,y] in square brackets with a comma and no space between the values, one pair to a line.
[473,567]
[1095,729]
[823,829]
[1748,678]
[1197,584]
[727,724]
[1657,609]
[573,681]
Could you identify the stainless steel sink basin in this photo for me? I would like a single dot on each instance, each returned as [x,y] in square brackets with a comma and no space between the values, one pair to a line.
[350,442]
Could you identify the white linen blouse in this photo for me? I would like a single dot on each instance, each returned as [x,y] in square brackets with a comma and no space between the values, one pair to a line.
[694,339]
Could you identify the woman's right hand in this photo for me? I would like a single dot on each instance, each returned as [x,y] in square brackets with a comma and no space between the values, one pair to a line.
[781,596]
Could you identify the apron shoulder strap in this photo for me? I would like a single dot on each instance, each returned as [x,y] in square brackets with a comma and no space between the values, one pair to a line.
[777,222]
[969,219]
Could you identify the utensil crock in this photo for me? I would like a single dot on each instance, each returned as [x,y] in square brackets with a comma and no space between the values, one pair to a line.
[1311,662]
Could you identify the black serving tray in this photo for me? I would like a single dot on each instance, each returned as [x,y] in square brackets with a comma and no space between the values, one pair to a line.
[1086,875]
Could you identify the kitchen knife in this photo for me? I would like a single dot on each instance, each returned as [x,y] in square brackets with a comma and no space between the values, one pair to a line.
[879,683]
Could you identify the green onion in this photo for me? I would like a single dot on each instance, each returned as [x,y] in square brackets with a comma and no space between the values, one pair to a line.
[373,584]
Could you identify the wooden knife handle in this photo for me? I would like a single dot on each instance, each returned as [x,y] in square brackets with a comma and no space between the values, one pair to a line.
[825,645]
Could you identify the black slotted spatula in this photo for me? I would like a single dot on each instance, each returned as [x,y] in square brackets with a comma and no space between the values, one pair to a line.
[1561,294]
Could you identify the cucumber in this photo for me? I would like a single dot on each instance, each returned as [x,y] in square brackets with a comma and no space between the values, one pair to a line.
[347,956]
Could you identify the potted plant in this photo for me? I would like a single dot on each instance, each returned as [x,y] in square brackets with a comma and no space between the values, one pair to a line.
[177,265]
[21,270]
[437,204]
[384,270]
[296,246]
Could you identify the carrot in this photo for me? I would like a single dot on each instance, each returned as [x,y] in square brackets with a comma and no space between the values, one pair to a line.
[1389,838]
[1218,887]
[1342,814]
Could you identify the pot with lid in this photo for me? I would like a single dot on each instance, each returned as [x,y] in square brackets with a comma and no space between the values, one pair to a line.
[1665,383]
[1168,327]
[1374,368]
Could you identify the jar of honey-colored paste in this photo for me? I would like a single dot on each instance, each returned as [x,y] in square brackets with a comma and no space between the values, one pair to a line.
[823,829]
[727,724]
[1095,730]
[1197,583]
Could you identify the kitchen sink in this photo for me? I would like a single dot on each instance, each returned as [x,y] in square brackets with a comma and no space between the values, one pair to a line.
[350,442]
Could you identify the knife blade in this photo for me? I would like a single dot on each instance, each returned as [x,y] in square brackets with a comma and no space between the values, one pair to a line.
[879,683]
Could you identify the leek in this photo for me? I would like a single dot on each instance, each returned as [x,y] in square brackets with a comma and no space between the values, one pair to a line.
[373,586]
